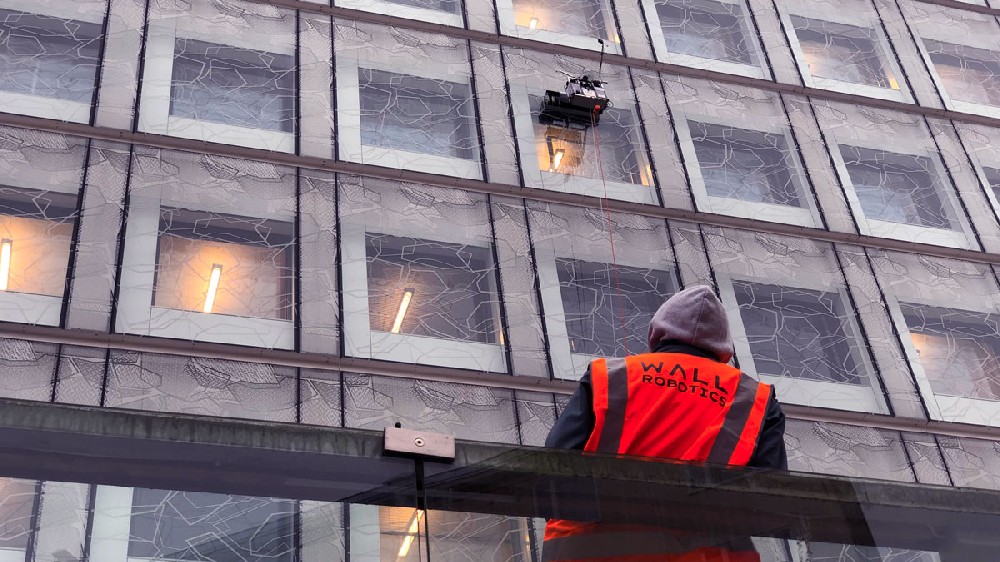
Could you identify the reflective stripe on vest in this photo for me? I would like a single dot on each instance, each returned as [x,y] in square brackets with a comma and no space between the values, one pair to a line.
[636,543]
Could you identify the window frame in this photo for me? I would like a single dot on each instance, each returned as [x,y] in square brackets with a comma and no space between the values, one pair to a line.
[535,177]
[157,81]
[879,40]
[807,216]
[386,7]
[903,231]
[348,133]
[976,411]
[506,16]
[859,398]
[751,35]
[359,337]
[41,106]
[137,315]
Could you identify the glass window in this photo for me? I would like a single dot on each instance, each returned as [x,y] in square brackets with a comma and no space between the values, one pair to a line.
[429,288]
[43,56]
[575,23]
[448,12]
[17,506]
[712,34]
[608,308]
[967,74]
[897,188]
[234,86]
[959,350]
[405,112]
[223,264]
[798,333]
[993,180]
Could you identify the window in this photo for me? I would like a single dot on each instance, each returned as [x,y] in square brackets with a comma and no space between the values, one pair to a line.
[608,308]
[396,109]
[36,231]
[711,34]
[16,511]
[404,112]
[969,76]
[233,86]
[448,12]
[745,172]
[901,195]
[223,264]
[137,524]
[993,180]
[421,300]
[48,65]
[848,57]
[211,78]
[576,23]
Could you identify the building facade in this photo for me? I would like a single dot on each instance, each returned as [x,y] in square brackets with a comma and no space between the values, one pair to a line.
[350,215]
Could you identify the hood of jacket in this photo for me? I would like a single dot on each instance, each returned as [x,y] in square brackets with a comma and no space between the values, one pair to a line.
[694,316]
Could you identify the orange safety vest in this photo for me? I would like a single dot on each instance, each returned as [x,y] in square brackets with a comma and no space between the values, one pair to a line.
[665,405]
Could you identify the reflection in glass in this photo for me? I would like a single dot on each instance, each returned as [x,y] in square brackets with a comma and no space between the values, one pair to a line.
[968,74]
[799,333]
[36,231]
[843,52]
[608,308]
[450,6]
[573,151]
[198,526]
[571,17]
[233,86]
[706,29]
[48,57]
[405,112]
[959,350]
[993,179]
[224,264]
[898,188]
[744,164]
[430,288]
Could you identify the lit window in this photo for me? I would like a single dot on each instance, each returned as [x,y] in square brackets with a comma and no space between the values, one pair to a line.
[222,264]
[36,231]
[958,350]
[843,53]
[233,86]
[799,333]
[51,58]
[970,76]
[711,34]
[897,188]
[428,288]
[404,112]
[745,172]
[575,23]
[608,308]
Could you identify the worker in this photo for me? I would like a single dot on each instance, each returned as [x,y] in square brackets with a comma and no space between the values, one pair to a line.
[679,401]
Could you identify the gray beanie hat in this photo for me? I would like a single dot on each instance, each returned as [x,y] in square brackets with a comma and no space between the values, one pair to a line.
[694,316]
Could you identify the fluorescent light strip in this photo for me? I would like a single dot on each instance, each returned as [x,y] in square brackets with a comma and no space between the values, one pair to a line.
[6,248]
[213,286]
[401,313]
[557,160]
[411,533]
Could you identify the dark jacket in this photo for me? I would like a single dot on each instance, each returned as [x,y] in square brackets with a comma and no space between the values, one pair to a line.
[576,423]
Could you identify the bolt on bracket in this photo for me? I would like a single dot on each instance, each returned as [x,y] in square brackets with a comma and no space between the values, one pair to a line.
[422,444]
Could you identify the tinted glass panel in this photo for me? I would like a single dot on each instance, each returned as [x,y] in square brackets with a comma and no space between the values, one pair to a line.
[702,28]
[842,52]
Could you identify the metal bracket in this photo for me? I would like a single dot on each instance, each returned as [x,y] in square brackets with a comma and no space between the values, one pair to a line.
[420,444]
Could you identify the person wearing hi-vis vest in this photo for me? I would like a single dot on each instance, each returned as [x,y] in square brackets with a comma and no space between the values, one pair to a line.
[680,401]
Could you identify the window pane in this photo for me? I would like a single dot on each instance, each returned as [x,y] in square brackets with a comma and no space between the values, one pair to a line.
[959,350]
[798,333]
[233,86]
[993,179]
[434,288]
[743,164]
[605,304]
[417,114]
[17,499]
[243,266]
[843,52]
[36,231]
[703,28]
[968,74]
[47,56]
[450,6]
[203,527]
[572,17]
[899,188]
[573,150]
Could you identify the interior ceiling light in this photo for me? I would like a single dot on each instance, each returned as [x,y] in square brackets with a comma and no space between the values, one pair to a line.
[213,287]
[404,304]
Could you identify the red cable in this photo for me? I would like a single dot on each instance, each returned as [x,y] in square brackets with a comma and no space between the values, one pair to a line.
[611,232]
